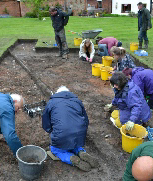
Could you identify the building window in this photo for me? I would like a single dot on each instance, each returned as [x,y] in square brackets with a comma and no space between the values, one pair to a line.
[126,8]
[99,4]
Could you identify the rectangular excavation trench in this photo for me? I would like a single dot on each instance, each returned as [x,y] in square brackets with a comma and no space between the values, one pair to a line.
[47,71]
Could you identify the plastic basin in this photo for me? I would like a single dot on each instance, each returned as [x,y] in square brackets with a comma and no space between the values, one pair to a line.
[136,137]
[133,46]
[96,69]
[30,161]
[77,41]
[105,72]
[107,60]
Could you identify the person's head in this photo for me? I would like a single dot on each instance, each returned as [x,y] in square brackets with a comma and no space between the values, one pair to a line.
[128,72]
[118,52]
[119,44]
[87,45]
[52,11]
[118,80]
[140,5]
[62,88]
[18,101]
[142,168]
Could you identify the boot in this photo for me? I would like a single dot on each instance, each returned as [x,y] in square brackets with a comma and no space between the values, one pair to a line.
[65,56]
[76,161]
[140,45]
[146,44]
[90,159]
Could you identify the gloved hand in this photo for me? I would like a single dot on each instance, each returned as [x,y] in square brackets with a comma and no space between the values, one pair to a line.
[108,107]
[87,59]
[90,60]
[129,125]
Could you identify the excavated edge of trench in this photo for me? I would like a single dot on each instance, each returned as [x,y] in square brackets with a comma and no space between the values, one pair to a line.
[44,89]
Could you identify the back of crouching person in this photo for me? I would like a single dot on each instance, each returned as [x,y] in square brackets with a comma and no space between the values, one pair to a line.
[87,50]
[122,59]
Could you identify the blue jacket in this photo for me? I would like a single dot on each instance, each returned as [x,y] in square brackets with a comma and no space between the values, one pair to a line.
[66,120]
[7,122]
[144,79]
[132,105]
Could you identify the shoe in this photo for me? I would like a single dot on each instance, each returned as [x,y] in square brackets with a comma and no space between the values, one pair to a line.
[82,165]
[90,159]
[65,56]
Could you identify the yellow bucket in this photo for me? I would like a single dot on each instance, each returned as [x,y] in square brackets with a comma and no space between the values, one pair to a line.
[136,137]
[107,60]
[96,69]
[133,46]
[77,41]
[105,72]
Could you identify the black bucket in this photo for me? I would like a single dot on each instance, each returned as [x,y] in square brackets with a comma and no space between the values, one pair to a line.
[30,161]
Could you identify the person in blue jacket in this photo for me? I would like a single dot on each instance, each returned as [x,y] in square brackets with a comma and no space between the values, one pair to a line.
[9,105]
[144,79]
[66,120]
[130,101]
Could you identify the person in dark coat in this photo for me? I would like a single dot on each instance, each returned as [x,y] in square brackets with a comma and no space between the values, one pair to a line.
[122,58]
[66,120]
[144,24]
[130,101]
[59,20]
[144,79]
[10,104]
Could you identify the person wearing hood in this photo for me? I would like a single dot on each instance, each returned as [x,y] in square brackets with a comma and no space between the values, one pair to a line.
[66,121]
[129,100]
[87,50]
[144,79]
[122,59]
[59,20]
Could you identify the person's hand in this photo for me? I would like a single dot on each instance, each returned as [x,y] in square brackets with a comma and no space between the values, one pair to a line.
[129,125]
[108,107]
[90,60]
[87,59]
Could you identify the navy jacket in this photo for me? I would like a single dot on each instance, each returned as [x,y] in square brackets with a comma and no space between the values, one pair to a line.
[132,105]
[59,20]
[66,120]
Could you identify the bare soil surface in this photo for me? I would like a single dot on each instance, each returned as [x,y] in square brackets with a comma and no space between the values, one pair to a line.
[103,140]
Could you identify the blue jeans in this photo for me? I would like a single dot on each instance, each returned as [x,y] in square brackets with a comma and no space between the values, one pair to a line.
[64,155]
[142,35]
[103,51]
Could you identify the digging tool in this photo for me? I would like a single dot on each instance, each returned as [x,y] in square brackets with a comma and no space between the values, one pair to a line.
[45,43]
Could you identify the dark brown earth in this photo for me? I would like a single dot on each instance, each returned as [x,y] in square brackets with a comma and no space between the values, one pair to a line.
[103,140]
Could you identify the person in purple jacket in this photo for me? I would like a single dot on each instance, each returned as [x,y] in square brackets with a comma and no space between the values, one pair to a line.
[130,101]
[144,79]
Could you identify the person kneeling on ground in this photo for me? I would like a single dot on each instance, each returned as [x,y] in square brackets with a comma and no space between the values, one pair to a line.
[122,59]
[140,163]
[65,119]
[10,104]
[105,44]
[87,50]
[144,79]
[129,100]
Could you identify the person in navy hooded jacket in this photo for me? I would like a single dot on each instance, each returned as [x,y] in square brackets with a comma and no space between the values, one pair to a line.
[144,79]
[130,101]
[66,120]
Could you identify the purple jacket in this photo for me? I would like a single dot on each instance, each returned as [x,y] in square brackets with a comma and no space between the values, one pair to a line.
[132,105]
[144,79]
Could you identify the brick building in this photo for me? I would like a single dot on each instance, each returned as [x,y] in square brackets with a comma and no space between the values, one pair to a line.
[18,9]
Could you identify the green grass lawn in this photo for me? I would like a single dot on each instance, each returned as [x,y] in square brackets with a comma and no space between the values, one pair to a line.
[122,28]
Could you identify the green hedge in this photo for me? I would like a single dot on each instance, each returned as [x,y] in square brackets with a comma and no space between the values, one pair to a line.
[34,15]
